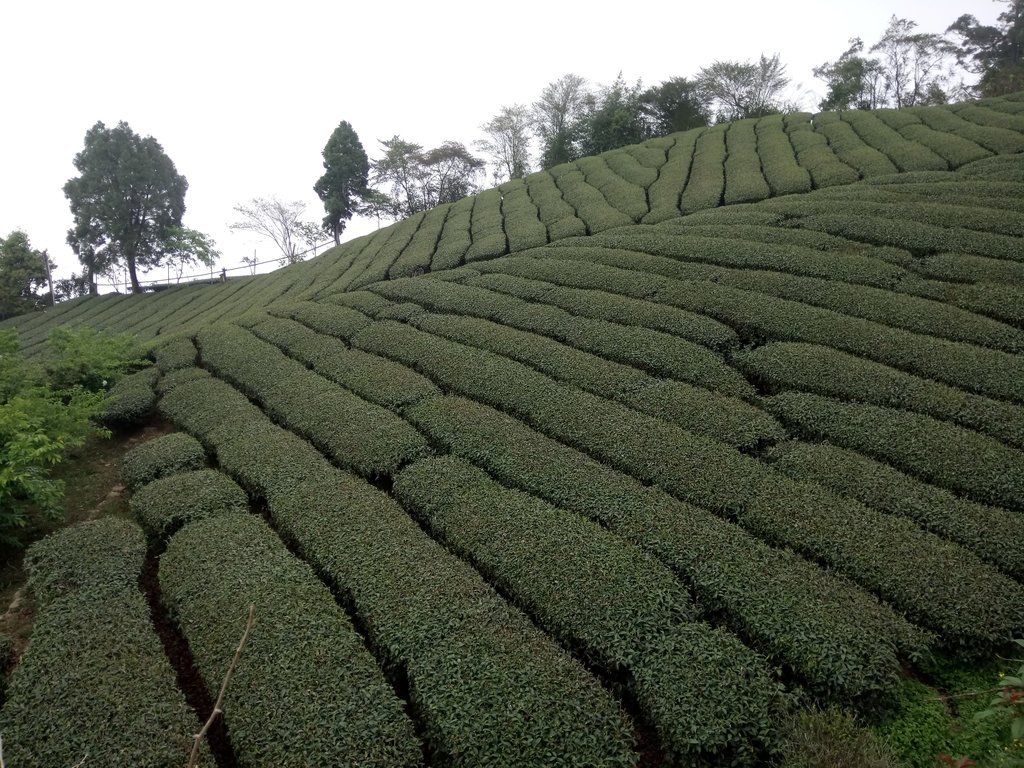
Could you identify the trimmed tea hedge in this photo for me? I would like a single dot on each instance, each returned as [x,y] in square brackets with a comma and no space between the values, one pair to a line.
[588,202]
[707,695]
[666,192]
[165,505]
[179,376]
[918,572]
[179,353]
[486,686]
[825,371]
[814,154]
[352,431]
[130,401]
[706,182]
[834,636]
[305,691]
[905,155]
[628,198]
[958,459]
[883,487]
[722,418]
[744,181]
[646,349]
[160,457]
[94,684]
[850,148]
[778,158]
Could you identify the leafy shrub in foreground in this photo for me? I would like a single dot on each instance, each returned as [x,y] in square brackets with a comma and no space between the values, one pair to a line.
[94,683]
[165,505]
[305,691]
[160,457]
[837,638]
[635,617]
[487,687]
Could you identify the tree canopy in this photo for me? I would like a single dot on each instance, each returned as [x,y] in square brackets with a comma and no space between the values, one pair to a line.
[420,180]
[126,200]
[23,272]
[508,142]
[277,221]
[343,185]
[559,116]
[996,53]
[744,89]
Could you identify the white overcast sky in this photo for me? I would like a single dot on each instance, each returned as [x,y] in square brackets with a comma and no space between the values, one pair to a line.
[243,96]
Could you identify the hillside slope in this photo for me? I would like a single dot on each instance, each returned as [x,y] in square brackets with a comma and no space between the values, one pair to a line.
[654,439]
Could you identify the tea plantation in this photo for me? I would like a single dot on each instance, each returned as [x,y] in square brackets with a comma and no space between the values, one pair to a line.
[621,463]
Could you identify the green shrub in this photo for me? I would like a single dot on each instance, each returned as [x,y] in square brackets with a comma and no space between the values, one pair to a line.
[778,159]
[838,639]
[744,181]
[548,199]
[416,257]
[706,182]
[89,358]
[984,115]
[955,150]
[811,368]
[917,572]
[889,490]
[832,737]
[305,691]
[964,268]
[352,431]
[165,505]
[130,401]
[636,617]
[665,193]
[650,350]
[160,457]
[522,218]
[905,155]
[487,687]
[94,683]
[636,165]
[958,459]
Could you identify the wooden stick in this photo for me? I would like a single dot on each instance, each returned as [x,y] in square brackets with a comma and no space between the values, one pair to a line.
[193,759]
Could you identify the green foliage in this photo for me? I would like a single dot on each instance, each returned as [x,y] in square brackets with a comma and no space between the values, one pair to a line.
[814,153]
[168,503]
[850,148]
[23,271]
[778,160]
[706,182]
[160,457]
[305,691]
[905,155]
[739,90]
[185,248]
[131,400]
[352,431]
[1010,702]
[124,203]
[832,738]
[744,181]
[94,683]
[175,354]
[836,638]
[344,183]
[487,687]
[85,357]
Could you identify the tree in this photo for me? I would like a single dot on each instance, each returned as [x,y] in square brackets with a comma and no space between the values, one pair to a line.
[508,142]
[23,271]
[274,220]
[616,119]
[421,180]
[739,90]
[677,104]
[343,184]
[996,53]
[125,201]
[558,117]
[311,234]
[854,82]
[186,247]
[913,64]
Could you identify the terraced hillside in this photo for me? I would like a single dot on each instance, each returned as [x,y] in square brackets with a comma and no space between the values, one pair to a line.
[661,442]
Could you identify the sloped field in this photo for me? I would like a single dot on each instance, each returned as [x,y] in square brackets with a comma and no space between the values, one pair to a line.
[646,444]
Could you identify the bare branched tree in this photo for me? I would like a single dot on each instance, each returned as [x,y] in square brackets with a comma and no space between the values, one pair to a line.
[508,142]
[275,220]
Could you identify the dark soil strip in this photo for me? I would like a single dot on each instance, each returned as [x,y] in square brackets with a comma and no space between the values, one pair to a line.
[190,682]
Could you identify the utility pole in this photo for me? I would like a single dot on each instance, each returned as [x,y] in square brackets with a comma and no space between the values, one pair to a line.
[49,277]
